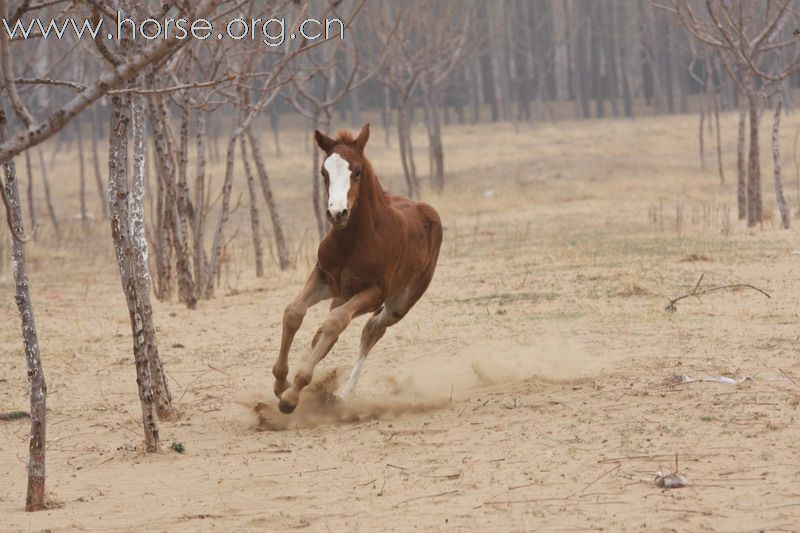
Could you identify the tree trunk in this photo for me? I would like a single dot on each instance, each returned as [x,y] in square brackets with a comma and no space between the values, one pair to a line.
[560,57]
[715,102]
[754,204]
[255,225]
[98,175]
[121,234]
[386,116]
[186,282]
[741,192]
[436,150]
[200,259]
[175,204]
[406,150]
[776,158]
[582,78]
[274,121]
[82,172]
[498,57]
[31,210]
[141,267]
[34,499]
[598,86]
[700,131]
[611,57]
[224,213]
[266,189]
[48,199]
[317,196]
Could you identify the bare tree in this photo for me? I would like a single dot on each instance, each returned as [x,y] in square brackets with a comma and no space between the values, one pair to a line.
[41,130]
[269,198]
[751,38]
[34,500]
[776,158]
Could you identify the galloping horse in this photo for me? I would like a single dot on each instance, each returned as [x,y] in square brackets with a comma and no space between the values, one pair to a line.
[378,257]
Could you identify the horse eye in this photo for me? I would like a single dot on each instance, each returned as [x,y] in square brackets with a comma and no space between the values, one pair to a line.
[356,173]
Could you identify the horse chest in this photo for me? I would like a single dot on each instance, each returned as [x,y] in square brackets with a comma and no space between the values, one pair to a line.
[349,273]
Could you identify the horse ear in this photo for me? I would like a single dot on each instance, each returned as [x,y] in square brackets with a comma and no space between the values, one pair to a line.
[363,136]
[324,142]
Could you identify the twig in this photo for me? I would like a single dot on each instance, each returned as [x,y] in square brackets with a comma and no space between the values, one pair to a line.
[790,378]
[438,494]
[300,472]
[604,474]
[671,307]
[175,88]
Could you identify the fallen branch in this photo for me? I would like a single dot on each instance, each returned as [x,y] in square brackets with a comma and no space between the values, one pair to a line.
[14,415]
[671,307]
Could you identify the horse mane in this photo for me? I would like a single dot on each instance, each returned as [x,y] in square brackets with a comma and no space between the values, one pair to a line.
[344,136]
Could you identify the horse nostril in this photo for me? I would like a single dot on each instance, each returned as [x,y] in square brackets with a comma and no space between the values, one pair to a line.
[343,213]
[328,212]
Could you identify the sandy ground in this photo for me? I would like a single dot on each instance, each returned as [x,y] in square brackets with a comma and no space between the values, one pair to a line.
[533,388]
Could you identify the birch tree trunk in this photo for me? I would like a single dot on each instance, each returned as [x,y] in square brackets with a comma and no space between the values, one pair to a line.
[406,150]
[31,208]
[82,171]
[34,499]
[741,190]
[700,132]
[96,160]
[186,282]
[435,149]
[200,259]
[255,225]
[175,208]
[317,198]
[141,267]
[715,102]
[560,58]
[274,121]
[224,213]
[48,199]
[776,158]
[754,204]
[121,235]
[266,189]
[386,116]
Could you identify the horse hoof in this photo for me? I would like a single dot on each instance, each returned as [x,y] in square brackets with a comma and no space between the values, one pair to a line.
[286,407]
[280,388]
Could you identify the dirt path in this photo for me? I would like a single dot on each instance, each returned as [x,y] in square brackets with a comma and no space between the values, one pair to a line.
[533,388]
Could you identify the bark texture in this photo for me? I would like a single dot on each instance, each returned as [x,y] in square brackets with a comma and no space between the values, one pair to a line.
[34,499]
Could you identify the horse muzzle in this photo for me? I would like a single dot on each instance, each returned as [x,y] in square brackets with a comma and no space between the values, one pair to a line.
[339,218]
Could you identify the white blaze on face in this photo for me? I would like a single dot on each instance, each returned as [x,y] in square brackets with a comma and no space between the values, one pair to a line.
[339,183]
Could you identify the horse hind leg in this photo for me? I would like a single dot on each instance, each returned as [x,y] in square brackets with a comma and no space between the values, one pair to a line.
[391,313]
[371,334]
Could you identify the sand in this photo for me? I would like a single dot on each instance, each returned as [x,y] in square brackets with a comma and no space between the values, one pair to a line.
[535,387]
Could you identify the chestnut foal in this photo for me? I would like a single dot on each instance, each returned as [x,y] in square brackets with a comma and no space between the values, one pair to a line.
[378,257]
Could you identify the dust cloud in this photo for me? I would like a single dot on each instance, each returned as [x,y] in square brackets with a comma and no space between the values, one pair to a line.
[425,384]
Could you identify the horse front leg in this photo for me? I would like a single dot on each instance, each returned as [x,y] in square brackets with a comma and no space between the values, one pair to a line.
[314,291]
[334,324]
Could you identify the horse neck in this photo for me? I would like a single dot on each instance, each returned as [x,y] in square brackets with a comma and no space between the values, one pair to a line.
[371,202]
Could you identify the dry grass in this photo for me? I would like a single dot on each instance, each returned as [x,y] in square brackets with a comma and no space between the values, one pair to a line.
[541,358]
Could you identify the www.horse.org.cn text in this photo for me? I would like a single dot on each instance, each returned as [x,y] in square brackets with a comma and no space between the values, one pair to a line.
[272,31]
